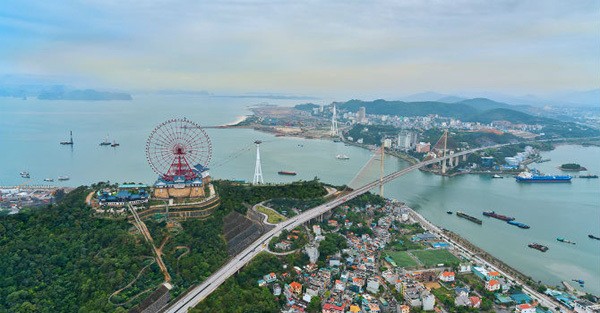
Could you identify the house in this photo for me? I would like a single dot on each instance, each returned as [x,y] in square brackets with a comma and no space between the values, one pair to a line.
[339,285]
[428,301]
[332,308]
[373,285]
[269,278]
[374,308]
[332,223]
[283,245]
[492,285]
[464,267]
[525,308]
[354,309]
[446,276]
[296,288]
[261,283]
[404,309]
[317,230]
[462,300]
[520,298]
[475,302]
[276,289]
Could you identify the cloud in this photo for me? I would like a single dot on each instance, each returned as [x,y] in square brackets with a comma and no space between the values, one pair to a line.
[336,47]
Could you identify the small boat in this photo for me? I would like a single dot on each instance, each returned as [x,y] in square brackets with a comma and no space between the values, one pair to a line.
[561,239]
[114,144]
[70,142]
[25,174]
[449,212]
[342,157]
[497,176]
[538,246]
[49,179]
[105,142]
[579,281]
[588,176]
[286,173]
[62,178]
[594,237]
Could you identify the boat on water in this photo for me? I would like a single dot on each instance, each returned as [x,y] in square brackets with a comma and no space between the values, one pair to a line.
[594,237]
[449,212]
[49,179]
[469,217]
[588,176]
[25,174]
[115,144]
[70,142]
[519,224]
[286,173]
[561,239]
[497,176]
[527,177]
[342,157]
[62,178]
[106,142]
[498,216]
[538,246]
[581,282]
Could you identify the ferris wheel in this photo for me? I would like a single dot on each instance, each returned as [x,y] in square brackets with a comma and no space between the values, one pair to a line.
[175,146]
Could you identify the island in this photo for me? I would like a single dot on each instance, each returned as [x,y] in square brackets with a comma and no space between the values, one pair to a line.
[572,167]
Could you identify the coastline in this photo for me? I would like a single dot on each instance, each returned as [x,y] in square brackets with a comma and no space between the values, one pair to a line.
[481,256]
[239,119]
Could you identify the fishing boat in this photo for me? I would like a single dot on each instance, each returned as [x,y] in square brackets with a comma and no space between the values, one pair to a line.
[497,176]
[114,144]
[25,174]
[63,178]
[49,179]
[70,142]
[561,239]
[449,212]
[106,142]
[342,157]
[594,237]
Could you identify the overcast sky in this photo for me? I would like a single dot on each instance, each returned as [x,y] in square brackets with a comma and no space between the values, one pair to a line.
[334,48]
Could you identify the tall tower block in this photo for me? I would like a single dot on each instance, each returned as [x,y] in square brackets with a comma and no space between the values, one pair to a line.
[334,125]
[258,176]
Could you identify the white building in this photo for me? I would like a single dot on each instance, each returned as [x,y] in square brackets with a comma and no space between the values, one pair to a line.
[428,301]
[373,285]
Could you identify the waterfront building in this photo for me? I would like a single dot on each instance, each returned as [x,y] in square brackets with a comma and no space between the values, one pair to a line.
[407,140]
[487,161]
[492,285]
[585,306]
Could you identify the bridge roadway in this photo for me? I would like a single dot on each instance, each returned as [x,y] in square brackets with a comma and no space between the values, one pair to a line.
[198,293]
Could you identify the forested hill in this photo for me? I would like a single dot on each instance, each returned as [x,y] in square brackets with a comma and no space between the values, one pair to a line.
[402,108]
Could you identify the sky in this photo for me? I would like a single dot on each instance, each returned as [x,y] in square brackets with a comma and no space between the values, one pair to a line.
[333,48]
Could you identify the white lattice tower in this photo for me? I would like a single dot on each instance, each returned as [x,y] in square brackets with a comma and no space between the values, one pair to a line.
[258,176]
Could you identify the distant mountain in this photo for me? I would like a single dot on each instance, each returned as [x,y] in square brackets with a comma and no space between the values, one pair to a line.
[483,104]
[59,92]
[84,95]
[588,97]
[429,96]
[450,99]
[306,106]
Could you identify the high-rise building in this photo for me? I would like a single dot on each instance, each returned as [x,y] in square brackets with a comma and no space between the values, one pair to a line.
[361,115]
[407,140]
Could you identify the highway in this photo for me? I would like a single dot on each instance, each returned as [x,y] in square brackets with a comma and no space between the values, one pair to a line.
[198,293]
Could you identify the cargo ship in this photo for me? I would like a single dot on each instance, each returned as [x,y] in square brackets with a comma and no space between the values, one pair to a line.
[286,173]
[63,178]
[498,216]
[588,176]
[538,246]
[469,217]
[561,239]
[594,237]
[519,224]
[526,177]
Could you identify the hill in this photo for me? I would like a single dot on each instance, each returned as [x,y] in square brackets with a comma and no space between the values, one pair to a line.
[402,108]
[503,114]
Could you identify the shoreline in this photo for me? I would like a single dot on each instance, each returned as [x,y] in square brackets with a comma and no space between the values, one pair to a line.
[239,119]
[483,257]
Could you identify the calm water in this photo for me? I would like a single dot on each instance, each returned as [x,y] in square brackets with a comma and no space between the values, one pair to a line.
[31,130]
